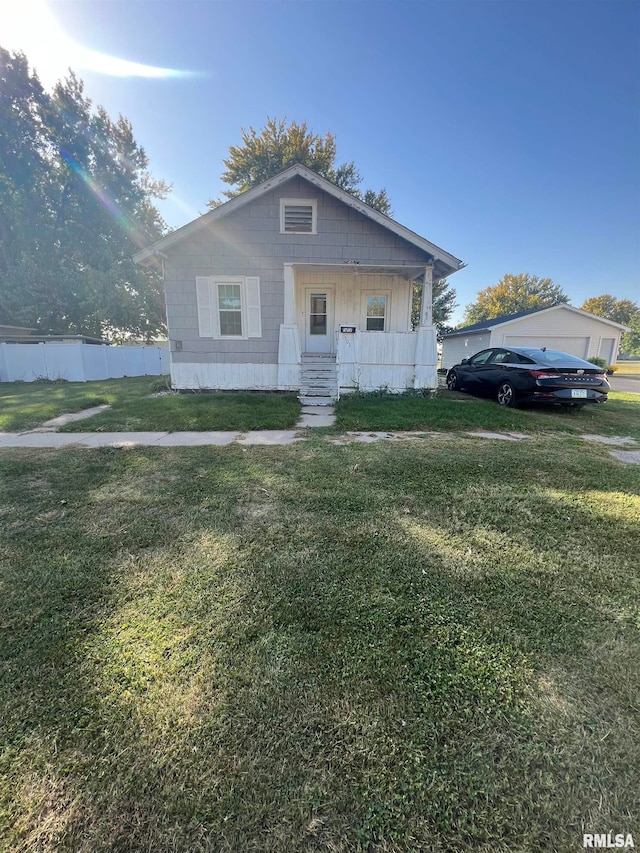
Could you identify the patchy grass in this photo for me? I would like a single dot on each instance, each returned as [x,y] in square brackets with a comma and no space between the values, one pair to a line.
[27,405]
[198,411]
[457,411]
[426,646]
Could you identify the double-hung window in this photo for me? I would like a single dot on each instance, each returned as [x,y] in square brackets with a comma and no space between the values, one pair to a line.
[376,311]
[229,299]
[229,307]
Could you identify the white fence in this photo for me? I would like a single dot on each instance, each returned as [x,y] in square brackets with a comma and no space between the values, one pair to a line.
[78,362]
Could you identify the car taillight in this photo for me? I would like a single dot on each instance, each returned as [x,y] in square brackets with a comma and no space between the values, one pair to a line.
[542,374]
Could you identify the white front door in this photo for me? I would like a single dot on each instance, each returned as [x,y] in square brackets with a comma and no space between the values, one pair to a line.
[318,335]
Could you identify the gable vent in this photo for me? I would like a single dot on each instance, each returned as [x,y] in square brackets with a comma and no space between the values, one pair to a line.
[298,218]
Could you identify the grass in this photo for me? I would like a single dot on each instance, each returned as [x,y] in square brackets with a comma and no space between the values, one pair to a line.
[459,411]
[180,412]
[24,406]
[431,646]
[628,368]
[27,405]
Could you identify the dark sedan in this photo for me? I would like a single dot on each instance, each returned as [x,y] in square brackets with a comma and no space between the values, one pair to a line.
[527,375]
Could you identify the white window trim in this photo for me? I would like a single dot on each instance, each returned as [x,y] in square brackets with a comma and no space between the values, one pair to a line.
[312,202]
[387,313]
[214,282]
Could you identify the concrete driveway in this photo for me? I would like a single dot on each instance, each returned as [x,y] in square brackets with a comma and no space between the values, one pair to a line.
[624,383]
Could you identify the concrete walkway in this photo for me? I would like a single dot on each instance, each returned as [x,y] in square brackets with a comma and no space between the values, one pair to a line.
[57,440]
[146,439]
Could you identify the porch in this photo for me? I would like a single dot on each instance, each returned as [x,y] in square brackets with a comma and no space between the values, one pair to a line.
[348,327]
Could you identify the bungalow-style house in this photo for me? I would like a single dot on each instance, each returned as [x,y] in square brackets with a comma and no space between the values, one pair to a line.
[298,285]
[562,327]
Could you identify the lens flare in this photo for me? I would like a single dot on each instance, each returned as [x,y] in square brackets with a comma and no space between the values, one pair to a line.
[31,26]
[128,225]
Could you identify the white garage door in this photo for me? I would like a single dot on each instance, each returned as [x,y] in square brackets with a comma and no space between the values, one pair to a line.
[575,345]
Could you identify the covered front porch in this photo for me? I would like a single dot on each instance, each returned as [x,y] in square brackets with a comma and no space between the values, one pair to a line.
[349,327]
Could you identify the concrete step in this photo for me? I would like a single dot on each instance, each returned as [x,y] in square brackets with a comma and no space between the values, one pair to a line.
[318,392]
[315,401]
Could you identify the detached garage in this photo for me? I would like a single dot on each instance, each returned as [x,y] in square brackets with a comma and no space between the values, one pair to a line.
[561,327]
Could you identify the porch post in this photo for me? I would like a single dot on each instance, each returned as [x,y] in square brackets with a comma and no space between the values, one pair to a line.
[426,374]
[289,355]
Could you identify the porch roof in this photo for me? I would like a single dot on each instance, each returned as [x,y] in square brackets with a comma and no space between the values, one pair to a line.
[412,272]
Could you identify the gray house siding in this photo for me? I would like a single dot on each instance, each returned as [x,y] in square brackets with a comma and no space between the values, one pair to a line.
[248,242]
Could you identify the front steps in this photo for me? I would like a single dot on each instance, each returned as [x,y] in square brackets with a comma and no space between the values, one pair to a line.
[319,379]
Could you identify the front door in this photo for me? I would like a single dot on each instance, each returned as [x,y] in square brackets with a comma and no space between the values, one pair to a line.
[318,319]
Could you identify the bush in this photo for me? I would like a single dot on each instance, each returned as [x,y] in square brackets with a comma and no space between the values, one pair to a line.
[160,385]
[599,362]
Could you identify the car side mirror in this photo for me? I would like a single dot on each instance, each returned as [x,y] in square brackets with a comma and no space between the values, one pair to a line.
[465,361]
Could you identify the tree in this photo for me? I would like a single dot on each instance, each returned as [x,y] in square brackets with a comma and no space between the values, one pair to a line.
[618,310]
[277,146]
[76,201]
[444,303]
[512,294]
[623,311]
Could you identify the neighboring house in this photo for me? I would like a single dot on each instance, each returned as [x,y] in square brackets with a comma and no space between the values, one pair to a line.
[298,285]
[561,327]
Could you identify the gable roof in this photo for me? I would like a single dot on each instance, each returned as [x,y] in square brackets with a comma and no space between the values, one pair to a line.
[508,318]
[448,263]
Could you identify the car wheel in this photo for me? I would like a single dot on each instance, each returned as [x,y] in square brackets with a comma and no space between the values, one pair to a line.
[453,383]
[506,394]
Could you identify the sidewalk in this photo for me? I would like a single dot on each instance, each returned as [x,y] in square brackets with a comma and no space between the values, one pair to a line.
[146,439]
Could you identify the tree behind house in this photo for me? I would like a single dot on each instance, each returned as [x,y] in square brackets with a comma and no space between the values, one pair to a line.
[623,311]
[513,294]
[277,146]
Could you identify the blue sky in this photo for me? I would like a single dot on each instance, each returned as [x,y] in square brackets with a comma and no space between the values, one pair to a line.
[506,132]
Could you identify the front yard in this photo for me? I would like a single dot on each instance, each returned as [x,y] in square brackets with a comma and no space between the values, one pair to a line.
[451,410]
[135,408]
[431,645]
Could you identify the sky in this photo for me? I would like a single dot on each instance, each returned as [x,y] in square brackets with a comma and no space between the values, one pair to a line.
[506,132]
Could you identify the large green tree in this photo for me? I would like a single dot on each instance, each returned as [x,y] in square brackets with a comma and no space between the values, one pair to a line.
[278,145]
[624,311]
[76,201]
[512,294]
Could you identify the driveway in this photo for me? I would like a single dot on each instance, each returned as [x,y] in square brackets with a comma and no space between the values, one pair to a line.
[625,383]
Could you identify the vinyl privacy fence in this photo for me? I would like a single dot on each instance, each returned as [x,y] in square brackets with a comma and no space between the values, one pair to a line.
[78,362]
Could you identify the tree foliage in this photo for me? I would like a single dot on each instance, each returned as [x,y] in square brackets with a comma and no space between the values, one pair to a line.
[512,294]
[277,146]
[618,310]
[444,304]
[623,311]
[76,202]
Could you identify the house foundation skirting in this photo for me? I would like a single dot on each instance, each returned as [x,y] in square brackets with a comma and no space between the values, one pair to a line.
[395,378]
[193,376]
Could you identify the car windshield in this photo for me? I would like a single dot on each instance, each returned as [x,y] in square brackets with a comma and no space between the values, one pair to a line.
[553,356]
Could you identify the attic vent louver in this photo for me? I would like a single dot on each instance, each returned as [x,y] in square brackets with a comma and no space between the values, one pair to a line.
[298,217]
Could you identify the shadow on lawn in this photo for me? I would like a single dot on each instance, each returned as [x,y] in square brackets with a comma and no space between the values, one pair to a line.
[328,648]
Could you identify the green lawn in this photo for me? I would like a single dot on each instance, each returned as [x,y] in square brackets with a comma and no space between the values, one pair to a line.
[24,406]
[620,415]
[179,412]
[431,646]
[27,405]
